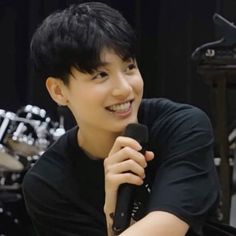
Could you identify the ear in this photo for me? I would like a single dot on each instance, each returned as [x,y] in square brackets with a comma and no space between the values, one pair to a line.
[56,89]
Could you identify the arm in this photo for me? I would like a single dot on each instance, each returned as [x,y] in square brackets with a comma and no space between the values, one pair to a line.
[185,166]
[158,223]
[124,164]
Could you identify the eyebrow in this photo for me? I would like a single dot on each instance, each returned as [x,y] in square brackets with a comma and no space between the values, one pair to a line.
[104,63]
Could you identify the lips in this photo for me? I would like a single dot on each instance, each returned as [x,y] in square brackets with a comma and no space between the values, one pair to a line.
[121,107]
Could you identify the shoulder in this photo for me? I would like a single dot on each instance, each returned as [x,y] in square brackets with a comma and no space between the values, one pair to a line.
[52,167]
[161,108]
[166,118]
[155,107]
[182,138]
[160,105]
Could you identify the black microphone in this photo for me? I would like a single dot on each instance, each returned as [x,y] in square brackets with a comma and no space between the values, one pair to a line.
[125,193]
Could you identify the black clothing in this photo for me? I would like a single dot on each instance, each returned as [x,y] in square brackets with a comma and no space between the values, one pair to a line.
[64,190]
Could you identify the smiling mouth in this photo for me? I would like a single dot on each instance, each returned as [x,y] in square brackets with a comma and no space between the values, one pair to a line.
[122,107]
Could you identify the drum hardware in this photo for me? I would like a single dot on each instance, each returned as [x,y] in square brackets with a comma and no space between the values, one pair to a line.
[2,115]
[32,113]
[26,134]
[60,130]
[19,137]
[7,118]
[22,137]
[58,133]
[30,109]
[43,125]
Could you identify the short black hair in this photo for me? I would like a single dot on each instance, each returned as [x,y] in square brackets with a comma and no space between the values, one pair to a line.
[76,36]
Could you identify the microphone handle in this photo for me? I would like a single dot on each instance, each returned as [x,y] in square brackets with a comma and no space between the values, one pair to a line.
[124,204]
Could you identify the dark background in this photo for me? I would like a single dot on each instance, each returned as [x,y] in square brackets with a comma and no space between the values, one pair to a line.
[168,32]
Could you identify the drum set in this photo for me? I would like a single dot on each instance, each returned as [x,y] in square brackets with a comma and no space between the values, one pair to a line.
[24,136]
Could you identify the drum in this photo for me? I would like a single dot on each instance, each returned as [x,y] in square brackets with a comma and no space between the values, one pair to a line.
[29,131]
[41,123]
[24,136]
[15,131]
[9,161]
[17,150]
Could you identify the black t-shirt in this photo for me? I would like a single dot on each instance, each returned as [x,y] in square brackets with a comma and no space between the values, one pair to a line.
[64,190]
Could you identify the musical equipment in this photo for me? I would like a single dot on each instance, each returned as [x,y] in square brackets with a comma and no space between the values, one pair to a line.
[219,52]
[8,161]
[30,133]
[24,136]
[216,63]
[124,204]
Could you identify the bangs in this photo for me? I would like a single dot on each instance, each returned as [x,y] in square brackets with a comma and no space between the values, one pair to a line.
[89,59]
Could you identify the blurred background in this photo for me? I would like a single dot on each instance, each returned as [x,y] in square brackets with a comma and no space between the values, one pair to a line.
[168,32]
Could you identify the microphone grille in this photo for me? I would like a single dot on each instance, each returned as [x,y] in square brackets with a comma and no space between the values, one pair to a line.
[137,131]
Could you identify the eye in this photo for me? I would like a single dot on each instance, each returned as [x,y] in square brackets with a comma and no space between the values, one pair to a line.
[100,75]
[130,67]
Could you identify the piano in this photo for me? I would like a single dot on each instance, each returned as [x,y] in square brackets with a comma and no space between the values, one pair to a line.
[219,52]
[216,64]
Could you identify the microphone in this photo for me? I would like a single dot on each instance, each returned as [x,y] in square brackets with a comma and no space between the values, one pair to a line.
[125,193]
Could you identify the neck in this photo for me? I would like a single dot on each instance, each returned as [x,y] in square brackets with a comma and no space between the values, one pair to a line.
[97,144]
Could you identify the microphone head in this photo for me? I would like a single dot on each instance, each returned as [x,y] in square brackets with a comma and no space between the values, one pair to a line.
[137,131]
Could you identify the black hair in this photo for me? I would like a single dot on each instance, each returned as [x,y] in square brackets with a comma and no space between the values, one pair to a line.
[76,36]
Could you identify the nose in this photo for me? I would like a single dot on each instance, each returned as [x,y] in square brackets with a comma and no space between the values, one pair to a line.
[122,88]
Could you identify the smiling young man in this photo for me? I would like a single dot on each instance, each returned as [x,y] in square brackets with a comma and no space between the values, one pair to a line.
[86,54]
[112,93]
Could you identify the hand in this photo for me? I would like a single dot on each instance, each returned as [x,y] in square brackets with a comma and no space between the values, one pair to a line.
[124,164]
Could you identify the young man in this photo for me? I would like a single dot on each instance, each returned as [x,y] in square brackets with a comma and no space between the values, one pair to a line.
[86,54]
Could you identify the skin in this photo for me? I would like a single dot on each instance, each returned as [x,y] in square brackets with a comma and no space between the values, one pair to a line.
[92,98]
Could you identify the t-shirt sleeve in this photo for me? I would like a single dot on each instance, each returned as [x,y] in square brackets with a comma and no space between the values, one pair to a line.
[51,213]
[185,182]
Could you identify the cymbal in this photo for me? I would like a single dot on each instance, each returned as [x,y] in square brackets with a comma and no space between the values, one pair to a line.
[9,163]
[22,148]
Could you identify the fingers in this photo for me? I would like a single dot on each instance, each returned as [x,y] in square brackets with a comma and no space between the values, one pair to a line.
[125,154]
[121,142]
[128,177]
[125,164]
[149,155]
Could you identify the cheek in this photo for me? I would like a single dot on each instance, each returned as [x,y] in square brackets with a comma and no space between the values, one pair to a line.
[138,85]
[90,96]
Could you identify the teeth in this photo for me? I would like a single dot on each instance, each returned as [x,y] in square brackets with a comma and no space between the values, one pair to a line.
[120,107]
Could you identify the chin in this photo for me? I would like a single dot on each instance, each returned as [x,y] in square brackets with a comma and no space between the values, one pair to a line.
[121,126]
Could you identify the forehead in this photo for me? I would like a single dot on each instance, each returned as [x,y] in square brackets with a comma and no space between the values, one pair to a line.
[109,56]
